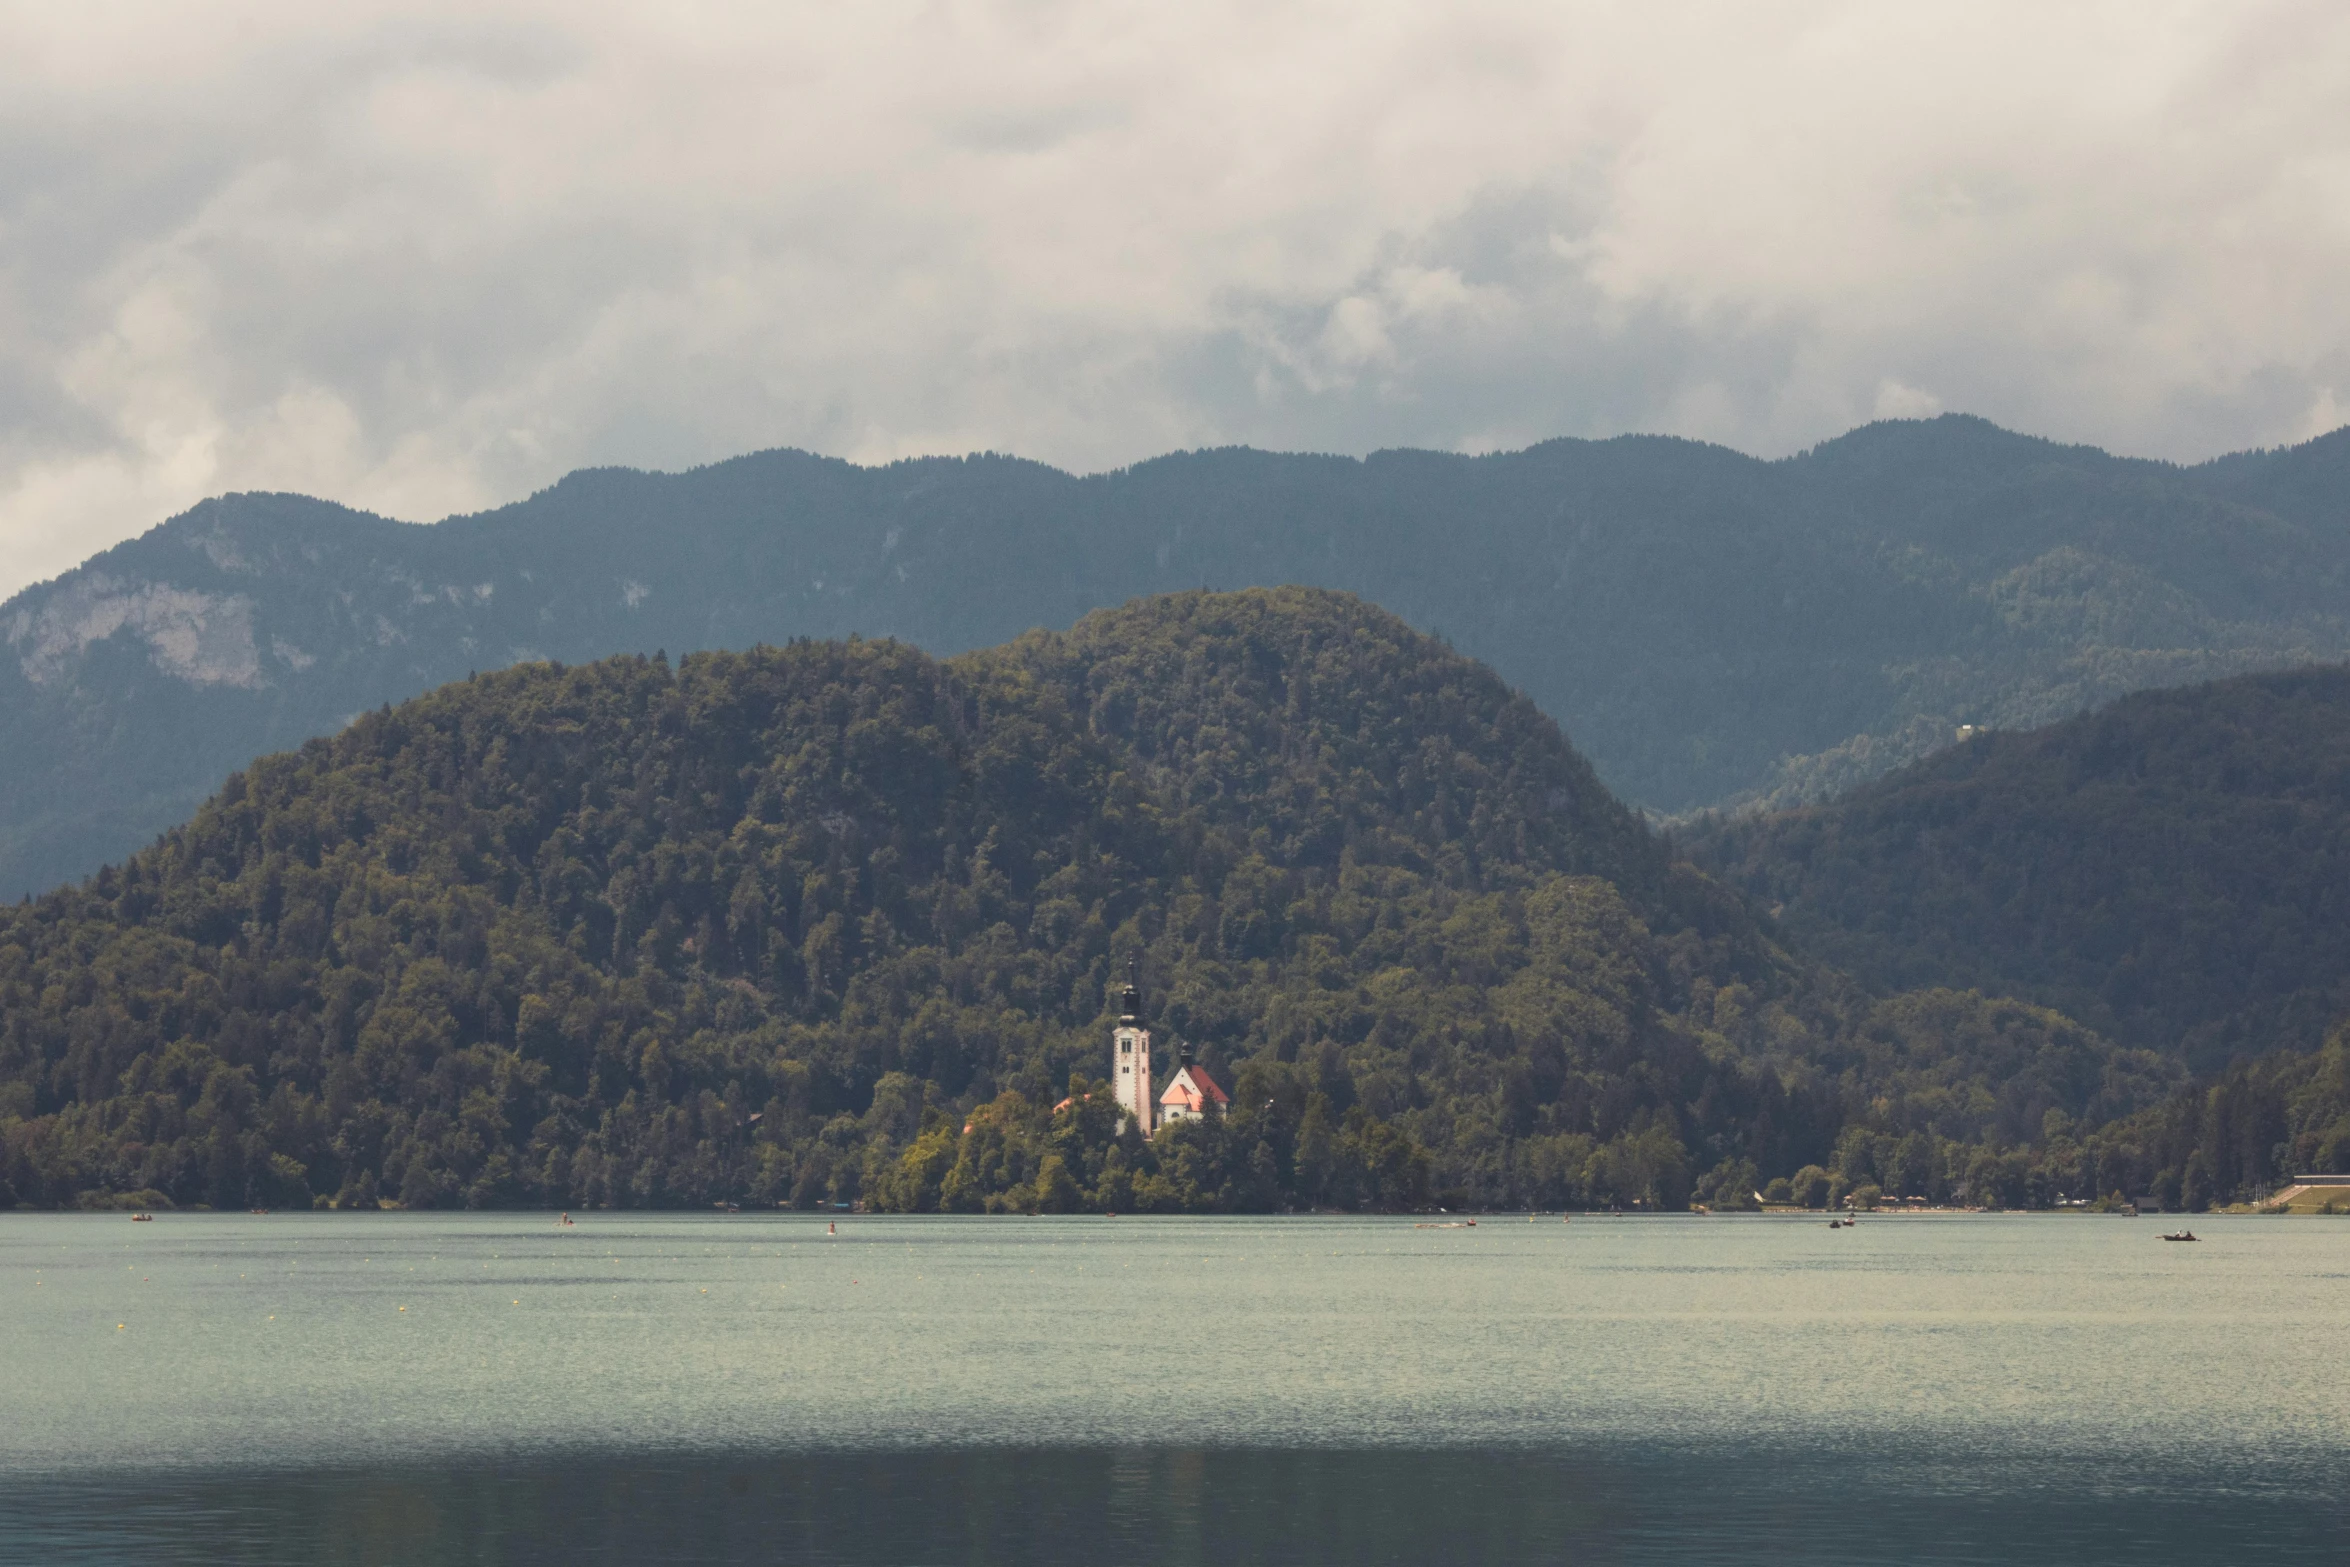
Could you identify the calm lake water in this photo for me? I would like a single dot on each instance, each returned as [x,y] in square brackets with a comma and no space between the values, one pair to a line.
[493,1389]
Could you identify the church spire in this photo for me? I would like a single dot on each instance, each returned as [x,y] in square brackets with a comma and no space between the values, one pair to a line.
[1130,999]
[1130,1055]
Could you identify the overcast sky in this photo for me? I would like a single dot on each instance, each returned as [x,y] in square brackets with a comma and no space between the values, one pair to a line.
[426,258]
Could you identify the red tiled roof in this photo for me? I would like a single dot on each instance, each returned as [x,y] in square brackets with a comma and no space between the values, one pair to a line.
[1200,1087]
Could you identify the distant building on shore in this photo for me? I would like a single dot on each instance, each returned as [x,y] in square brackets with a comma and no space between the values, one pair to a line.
[1188,1096]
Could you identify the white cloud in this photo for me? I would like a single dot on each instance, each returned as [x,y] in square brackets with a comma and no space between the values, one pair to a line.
[425,257]
[1898,401]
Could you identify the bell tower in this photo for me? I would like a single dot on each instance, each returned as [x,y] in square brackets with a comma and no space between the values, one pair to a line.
[1130,1055]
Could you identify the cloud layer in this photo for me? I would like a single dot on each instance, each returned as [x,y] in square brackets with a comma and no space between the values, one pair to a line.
[423,258]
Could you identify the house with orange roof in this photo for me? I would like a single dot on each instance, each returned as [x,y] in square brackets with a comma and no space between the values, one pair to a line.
[1189,1094]
[1187,1097]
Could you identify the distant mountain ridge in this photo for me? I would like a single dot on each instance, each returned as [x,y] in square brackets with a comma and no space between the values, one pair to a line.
[1708,627]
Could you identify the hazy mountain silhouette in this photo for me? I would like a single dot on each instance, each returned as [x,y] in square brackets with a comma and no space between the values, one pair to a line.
[1708,627]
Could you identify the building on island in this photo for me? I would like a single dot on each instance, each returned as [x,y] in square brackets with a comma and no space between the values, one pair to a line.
[1130,1057]
[1189,1094]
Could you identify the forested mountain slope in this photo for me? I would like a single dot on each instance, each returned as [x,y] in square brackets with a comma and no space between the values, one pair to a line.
[2262,1120]
[1706,626]
[839,922]
[2173,869]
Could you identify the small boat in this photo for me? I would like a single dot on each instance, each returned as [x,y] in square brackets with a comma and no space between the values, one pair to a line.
[260,1213]
[2182,1235]
[142,1218]
[831,1229]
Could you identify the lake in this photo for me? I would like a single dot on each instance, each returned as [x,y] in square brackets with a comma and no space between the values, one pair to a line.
[438,1388]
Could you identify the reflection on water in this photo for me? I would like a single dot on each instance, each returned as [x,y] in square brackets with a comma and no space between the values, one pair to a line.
[488,1389]
[1187,1507]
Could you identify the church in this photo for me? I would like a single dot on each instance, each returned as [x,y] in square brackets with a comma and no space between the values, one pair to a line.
[1189,1095]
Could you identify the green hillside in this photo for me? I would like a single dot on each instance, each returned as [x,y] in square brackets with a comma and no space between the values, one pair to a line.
[2241,1135]
[778,926]
[2173,870]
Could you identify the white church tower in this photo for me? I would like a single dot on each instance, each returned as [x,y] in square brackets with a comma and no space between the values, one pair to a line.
[1130,1056]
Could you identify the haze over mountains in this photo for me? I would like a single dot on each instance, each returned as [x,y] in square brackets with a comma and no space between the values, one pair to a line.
[1709,628]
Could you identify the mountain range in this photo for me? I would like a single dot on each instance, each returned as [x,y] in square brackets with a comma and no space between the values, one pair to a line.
[1711,629]
[840,922]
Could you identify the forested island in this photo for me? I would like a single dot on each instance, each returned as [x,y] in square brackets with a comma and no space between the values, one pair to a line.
[839,922]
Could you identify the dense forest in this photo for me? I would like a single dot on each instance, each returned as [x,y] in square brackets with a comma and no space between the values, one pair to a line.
[2262,1119]
[1708,627]
[2227,1139]
[837,922]
[2173,870]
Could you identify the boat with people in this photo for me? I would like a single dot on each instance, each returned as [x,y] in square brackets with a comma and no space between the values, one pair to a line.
[2182,1235]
